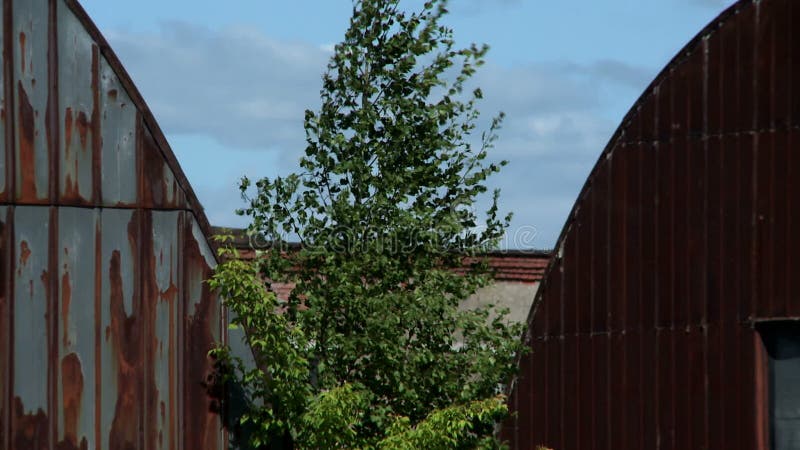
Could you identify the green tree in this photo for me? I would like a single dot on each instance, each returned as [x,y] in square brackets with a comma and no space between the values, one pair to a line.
[372,350]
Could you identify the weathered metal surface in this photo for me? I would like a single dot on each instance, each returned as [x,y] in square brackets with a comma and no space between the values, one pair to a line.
[679,242]
[31,30]
[161,266]
[105,321]
[158,186]
[202,325]
[33,329]
[78,74]
[118,116]
[5,137]
[6,355]
[120,324]
[77,355]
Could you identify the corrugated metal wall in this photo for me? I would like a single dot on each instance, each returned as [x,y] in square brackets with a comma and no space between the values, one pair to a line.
[683,237]
[105,322]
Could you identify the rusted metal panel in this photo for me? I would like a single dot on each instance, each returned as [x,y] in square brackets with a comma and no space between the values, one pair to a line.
[647,209]
[665,267]
[583,294]
[747,79]
[714,243]
[764,200]
[78,80]
[792,220]
[749,412]
[6,326]
[618,384]
[794,65]
[765,48]
[158,186]
[31,347]
[717,400]
[77,349]
[553,394]
[729,202]
[617,243]
[571,403]
[600,251]
[31,92]
[649,386]
[779,222]
[600,390]
[746,219]
[584,391]
[665,384]
[629,415]
[121,322]
[782,35]
[628,296]
[682,266]
[5,115]
[568,262]
[681,388]
[161,264]
[716,74]
[554,309]
[118,118]
[532,429]
[698,394]
[202,330]
[697,237]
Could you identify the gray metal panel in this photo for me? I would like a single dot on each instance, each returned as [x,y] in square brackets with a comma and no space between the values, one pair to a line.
[121,339]
[77,66]
[4,120]
[165,279]
[30,27]
[160,187]
[77,229]
[203,330]
[5,325]
[30,317]
[118,116]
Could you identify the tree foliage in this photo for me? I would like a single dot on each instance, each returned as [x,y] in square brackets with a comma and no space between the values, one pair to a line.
[372,349]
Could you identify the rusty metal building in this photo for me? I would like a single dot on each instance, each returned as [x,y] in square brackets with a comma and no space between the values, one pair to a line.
[678,265]
[105,322]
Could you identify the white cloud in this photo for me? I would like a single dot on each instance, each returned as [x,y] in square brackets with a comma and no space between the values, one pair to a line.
[247,92]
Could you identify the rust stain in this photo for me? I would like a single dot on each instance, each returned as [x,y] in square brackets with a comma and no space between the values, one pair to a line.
[112,94]
[148,308]
[68,132]
[66,292]
[22,40]
[201,427]
[83,126]
[30,430]
[71,395]
[24,253]
[27,165]
[125,333]
[98,316]
[132,342]
[97,135]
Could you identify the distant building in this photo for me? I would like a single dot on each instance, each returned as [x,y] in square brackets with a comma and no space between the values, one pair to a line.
[517,274]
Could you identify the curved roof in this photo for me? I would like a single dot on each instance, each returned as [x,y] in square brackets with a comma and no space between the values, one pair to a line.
[149,120]
[632,128]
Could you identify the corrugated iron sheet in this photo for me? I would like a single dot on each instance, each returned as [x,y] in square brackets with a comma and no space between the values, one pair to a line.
[105,319]
[643,331]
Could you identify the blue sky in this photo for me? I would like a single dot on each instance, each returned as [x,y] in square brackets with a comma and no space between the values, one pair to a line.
[229,84]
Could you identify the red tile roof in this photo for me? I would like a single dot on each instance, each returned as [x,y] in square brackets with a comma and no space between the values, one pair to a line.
[514,266]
